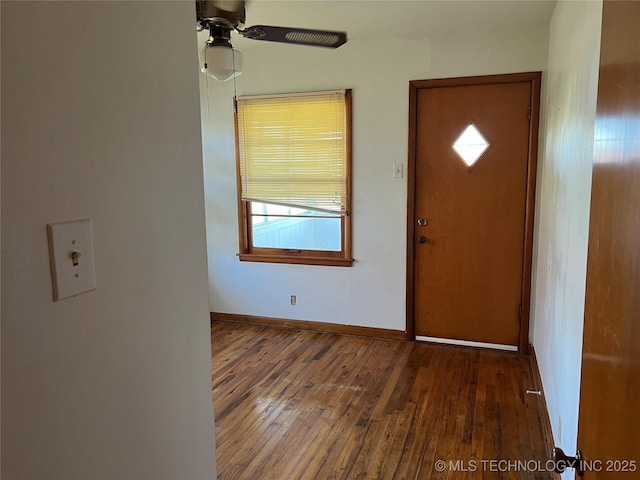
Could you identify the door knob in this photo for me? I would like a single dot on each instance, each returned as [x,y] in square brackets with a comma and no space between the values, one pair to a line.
[422,239]
[422,222]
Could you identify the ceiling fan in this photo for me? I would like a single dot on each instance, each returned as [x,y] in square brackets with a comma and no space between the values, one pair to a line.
[220,17]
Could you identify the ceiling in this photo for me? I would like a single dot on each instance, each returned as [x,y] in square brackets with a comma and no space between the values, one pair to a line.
[408,19]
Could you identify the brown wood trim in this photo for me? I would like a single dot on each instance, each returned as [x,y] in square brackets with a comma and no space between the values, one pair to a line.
[531,77]
[527,261]
[293,253]
[243,232]
[346,220]
[542,407]
[290,259]
[481,80]
[411,208]
[382,333]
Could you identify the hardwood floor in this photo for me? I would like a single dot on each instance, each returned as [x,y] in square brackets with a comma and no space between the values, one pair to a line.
[304,405]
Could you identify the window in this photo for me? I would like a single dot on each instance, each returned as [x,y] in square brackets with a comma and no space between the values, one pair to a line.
[294,177]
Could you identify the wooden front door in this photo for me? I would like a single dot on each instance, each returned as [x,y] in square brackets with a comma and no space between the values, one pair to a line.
[470,226]
[609,425]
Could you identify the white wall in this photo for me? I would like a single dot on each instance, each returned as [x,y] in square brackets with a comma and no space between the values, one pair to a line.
[100,119]
[372,292]
[564,182]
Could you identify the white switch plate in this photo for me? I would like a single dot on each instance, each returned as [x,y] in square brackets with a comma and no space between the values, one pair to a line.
[64,239]
[398,170]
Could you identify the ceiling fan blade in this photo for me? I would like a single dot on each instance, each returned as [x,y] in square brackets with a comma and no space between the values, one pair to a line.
[298,36]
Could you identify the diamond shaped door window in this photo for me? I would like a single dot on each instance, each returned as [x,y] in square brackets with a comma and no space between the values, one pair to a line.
[470,145]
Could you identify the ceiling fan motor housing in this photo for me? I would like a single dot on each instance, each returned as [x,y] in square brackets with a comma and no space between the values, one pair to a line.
[229,13]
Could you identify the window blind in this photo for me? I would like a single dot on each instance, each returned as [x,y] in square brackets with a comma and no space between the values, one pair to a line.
[292,150]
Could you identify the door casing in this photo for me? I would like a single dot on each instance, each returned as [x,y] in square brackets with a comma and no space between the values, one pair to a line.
[534,79]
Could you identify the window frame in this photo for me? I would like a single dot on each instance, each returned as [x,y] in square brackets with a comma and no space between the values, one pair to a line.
[249,253]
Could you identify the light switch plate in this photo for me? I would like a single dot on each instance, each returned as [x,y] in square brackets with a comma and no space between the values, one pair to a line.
[73,269]
[398,170]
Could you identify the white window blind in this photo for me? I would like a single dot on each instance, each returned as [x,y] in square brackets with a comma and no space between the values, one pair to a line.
[292,150]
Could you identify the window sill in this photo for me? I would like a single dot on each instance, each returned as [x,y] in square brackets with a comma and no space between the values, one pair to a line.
[302,260]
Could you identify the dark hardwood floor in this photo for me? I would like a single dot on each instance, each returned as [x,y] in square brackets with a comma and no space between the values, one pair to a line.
[303,405]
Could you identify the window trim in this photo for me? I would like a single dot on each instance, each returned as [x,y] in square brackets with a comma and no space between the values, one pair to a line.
[249,253]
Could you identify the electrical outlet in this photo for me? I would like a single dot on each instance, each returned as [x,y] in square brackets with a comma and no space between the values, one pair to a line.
[293,300]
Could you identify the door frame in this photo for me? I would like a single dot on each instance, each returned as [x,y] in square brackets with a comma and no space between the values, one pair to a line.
[534,79]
